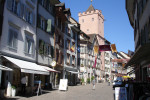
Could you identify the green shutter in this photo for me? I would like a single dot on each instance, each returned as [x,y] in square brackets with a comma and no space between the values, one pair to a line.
[48,25]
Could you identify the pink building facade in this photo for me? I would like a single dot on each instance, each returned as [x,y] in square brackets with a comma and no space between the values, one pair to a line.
[92,22]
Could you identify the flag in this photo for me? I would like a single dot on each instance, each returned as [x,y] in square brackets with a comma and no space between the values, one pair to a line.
[113,48]
[94,66]
[72,48]
[78,49]
[96,49]
[104,48]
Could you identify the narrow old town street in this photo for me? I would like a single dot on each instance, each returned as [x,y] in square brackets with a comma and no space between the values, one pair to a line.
[102,92]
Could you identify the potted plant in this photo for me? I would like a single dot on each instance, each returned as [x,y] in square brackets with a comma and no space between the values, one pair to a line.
[88,80]
[82,65]
[92,77]
[82,80]
[13,91]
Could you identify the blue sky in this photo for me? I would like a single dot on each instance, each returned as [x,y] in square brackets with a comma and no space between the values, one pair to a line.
[117,28]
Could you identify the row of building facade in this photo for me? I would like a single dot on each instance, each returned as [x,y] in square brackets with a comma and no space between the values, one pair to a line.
[139,17]
[34,33]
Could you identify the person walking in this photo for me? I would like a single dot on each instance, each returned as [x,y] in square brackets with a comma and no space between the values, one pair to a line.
[23,84]
[93,82]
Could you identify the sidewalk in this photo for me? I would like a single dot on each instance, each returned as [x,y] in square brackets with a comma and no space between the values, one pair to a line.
[79,92]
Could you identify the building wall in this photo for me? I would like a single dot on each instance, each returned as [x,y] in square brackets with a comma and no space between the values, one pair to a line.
[23,28]
[67,51]
[43,35]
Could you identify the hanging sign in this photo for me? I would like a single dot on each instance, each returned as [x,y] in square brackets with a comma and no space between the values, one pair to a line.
[53,64]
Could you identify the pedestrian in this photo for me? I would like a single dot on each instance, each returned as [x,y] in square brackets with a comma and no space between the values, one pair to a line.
[93,82]
[23,84]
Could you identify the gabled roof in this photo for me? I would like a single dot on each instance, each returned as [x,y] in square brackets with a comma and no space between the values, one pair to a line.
[60,4]
[91,8]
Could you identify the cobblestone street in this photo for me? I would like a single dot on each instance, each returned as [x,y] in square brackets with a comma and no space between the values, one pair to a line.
[102,92]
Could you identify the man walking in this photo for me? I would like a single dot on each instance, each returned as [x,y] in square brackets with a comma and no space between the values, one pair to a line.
[23,84]
[93,82]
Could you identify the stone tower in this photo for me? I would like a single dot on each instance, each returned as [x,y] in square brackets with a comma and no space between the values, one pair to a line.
[92,22]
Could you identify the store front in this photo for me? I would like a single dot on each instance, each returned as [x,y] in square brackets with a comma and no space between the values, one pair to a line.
[72,75]
[31,71]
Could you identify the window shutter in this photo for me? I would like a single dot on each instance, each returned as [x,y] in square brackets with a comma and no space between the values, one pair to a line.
[48,25]
[45,27]
[52,51]
[39,21]
[9,4]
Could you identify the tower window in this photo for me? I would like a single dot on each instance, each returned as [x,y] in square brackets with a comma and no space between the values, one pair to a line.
[82,20]
[92,19]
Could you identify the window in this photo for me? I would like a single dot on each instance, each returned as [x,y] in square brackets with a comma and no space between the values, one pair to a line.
[29,45]
[42,23]
[82,20]
[43,2]
[73,60]
[45,49]
[29,16]
[67,44]
[41,47]
[78,61]
[21,10]
[12,39]
[82,62]
[57,55]
[14,6]
[68,58]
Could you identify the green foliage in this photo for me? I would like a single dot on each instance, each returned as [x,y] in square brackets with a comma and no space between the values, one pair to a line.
[88,80]
[13,87]
[92,77]
[82,80]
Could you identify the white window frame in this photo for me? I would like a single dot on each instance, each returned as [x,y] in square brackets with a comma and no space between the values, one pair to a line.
[29,49]
[14,38]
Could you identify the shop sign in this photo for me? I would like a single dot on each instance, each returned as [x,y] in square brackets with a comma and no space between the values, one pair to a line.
[53,64]
[120,93]
[63,84]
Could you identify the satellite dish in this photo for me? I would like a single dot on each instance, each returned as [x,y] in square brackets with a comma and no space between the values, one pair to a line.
[53,64]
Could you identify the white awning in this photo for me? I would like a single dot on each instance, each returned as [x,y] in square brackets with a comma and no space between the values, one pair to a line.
[5,68]
[50,69]
[28,67]
[74,72]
